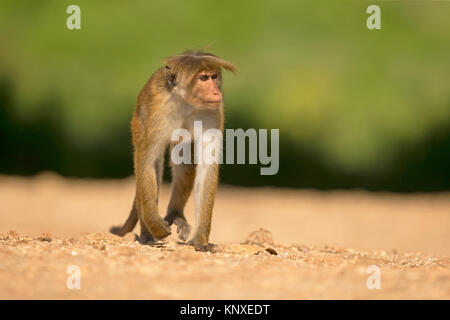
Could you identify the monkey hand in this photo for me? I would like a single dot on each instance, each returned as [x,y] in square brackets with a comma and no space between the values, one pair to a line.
[159,228]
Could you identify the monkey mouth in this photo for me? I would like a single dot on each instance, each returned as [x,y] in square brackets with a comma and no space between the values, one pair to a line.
[213,104]
[213,101]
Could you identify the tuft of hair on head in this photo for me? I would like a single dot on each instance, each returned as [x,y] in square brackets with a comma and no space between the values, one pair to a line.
[192,62]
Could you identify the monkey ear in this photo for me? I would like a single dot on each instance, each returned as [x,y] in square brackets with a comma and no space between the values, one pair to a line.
[170,78]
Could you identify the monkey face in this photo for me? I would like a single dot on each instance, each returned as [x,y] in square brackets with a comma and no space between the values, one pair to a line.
[204,90]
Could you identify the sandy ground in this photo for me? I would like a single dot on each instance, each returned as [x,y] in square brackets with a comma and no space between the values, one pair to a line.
[313,245]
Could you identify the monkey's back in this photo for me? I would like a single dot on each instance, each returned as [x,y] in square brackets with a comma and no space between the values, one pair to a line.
[151,96]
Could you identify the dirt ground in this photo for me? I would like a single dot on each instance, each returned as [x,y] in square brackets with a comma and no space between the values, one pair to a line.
[312,245]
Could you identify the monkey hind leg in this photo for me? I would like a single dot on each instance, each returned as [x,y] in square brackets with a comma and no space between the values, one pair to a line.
[128,225]
[182,184]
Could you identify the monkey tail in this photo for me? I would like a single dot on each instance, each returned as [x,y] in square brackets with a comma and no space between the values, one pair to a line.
[128,225]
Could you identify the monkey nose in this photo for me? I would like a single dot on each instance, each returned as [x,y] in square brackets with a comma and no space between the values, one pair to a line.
[217,95]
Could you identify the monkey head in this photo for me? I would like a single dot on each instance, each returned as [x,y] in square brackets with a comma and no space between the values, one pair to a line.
[204,90]
[196,77]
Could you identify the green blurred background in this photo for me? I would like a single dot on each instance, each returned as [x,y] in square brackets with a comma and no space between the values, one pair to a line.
[356,108]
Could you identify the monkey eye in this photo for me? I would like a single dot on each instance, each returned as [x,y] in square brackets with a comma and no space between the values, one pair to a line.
[204,77]
[214,76]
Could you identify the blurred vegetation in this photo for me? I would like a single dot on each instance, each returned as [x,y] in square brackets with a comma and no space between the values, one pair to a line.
[356,108]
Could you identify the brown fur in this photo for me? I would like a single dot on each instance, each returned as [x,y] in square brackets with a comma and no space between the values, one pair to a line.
[158,111]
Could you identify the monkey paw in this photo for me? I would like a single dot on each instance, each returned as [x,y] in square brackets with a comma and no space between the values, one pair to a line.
[198,245]
[183,228]
[145,238]
[160,229]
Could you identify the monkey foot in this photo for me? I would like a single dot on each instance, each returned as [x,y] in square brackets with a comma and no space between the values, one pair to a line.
[183,228]
[146,238]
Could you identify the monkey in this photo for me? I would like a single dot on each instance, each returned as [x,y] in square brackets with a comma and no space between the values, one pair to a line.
[187,88]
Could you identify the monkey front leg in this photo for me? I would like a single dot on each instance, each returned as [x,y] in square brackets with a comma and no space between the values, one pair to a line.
[205,190]
[147,198]
[146,236]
